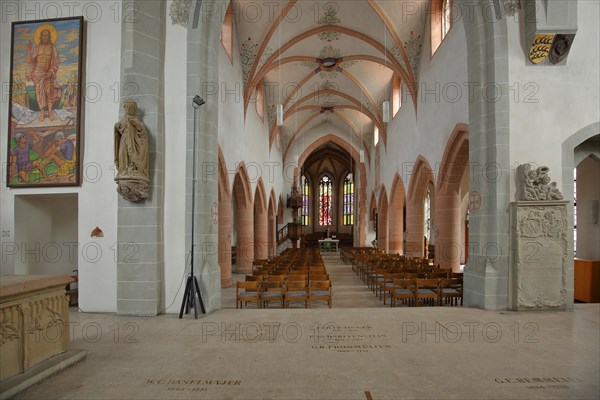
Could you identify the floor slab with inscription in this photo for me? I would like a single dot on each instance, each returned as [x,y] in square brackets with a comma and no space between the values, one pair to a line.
[422,353]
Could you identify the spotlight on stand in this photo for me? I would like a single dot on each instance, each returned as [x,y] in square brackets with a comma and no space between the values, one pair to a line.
[386,111]
[192,298]
[279,114]
[197,101]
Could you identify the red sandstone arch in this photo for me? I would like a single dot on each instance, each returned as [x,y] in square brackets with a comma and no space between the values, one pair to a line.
[224,223]
[396,216]
[382,220]
[421,179]
[272,226]
[362,231]
[451,188]
[244,220]
[260,222]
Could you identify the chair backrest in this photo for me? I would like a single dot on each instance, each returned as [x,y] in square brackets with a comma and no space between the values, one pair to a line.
[276,278]
[254,278]
[405,283]
[451,282]
[297,277]
[319,277]
[247,285]
[295,286]
[271,286]
[320,284]
[427,283]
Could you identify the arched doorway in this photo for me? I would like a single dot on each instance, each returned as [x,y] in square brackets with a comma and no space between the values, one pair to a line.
[260,222]
[396,217]
[420,190]
[244,221]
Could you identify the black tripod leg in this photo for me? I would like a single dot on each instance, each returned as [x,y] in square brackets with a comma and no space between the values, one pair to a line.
[199,296]
[185,296]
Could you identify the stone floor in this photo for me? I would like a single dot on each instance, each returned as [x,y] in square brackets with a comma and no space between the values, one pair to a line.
[364,352]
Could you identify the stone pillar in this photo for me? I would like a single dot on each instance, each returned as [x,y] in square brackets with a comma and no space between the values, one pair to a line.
[396,228]
[448,244]
[272,233]
[539,259]
[140,225]
[203,43]
[260,232]
[245,240]
[382,227]
[415,231]
[225,241]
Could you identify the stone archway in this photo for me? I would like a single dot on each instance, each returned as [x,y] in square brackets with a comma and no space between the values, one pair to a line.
[244,220]
[382,220]
[420,181]
[260,222]
[272,227]
[396,216]
[449,244]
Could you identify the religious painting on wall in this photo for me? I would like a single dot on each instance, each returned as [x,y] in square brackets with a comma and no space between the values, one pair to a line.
[44,132]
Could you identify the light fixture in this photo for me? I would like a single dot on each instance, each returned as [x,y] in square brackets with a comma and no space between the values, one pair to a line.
[362,156]
[386,111]
[296,159]
[280,114]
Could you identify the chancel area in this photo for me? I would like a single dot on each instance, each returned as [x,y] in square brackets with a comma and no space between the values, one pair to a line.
[358,199]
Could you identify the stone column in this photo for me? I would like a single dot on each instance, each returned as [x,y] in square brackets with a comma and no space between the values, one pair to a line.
[225,241]
[448,247]
[140,225]
[415,232]
[245,240]
[203,43]
[260,232]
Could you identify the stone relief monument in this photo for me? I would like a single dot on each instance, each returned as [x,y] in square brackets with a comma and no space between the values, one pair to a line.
[539,242]
[131,155]
[534,184]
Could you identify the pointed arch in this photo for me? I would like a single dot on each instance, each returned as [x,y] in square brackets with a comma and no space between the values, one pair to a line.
[260,222]
[382,220]
[421,180]
[397,209]
[452,187]
[244,220]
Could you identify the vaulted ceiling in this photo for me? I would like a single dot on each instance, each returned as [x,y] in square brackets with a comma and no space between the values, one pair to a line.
[329,61]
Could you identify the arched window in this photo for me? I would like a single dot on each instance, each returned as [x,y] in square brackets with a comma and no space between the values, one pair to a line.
[325,201]
[427,220]
[349,200]
[397,95]
[441,22]
[305,191]
[446,17]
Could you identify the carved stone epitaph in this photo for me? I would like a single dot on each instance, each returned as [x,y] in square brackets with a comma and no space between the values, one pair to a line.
[539,271]
[534,184]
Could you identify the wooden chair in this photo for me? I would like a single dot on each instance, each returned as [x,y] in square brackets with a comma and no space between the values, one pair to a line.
[271,291]
[320,290]
[320,277]
[403,289]
[295,291]
[450,290]
[276,278]
[250,293]
[427,290]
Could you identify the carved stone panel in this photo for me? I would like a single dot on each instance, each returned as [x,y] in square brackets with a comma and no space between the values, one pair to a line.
[539,241]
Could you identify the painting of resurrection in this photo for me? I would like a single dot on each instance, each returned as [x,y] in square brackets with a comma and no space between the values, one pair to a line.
[44,133]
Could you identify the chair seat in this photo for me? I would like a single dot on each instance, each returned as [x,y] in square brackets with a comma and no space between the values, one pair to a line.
[318,293]
[245,295]
[295,294]
[271,294]
[402,291]
[450,291]
[426,291]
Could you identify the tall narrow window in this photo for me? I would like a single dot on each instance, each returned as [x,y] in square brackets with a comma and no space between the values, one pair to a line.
[427,220]
[305,190]
[446,17]
[349,200]
[325,201]
[397,95]
[260,100]
[376,136]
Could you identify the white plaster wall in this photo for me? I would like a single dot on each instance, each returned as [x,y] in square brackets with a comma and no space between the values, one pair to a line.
[442,103]
[559,101]
[97,194]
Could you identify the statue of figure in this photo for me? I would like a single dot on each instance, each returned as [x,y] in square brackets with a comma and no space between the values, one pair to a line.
[535,185]
[131,155]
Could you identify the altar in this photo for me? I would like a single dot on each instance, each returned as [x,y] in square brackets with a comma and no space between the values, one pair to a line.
[329,245]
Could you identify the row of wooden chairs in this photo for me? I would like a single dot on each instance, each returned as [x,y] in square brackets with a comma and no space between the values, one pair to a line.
[430,291]
[266,292]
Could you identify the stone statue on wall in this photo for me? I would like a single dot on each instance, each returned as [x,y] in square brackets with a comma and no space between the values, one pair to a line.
[534,184]
[131,155]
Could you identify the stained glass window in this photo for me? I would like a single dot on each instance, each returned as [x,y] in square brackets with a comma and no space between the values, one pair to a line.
[427,215]
[349,200]
[305,191]
[446,17]
[325,201]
